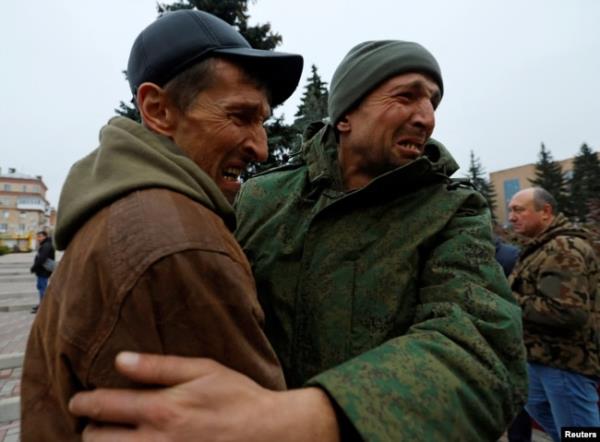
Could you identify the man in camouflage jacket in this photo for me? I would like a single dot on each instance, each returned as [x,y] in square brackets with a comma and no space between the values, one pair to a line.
[378,271]
[556,284]
[382,297]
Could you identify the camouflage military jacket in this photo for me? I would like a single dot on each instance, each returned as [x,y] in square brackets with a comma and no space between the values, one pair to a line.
[556,284]
[388,297]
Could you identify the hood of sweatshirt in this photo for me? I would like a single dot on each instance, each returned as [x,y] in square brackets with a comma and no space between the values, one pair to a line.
[130,158]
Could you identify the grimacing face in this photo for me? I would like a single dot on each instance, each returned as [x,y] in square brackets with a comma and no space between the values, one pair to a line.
[523,216]
[391,125]
[223,129]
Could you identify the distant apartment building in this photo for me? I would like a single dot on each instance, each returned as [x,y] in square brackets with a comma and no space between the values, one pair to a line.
[507,182]
[24,209]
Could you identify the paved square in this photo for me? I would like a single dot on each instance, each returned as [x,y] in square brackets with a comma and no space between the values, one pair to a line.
[17,295]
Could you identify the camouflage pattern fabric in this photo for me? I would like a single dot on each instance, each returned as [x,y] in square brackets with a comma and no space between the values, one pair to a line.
[556,284]
[388,297]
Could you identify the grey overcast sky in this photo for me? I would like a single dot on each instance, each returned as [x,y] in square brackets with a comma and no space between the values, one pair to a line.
[516,72]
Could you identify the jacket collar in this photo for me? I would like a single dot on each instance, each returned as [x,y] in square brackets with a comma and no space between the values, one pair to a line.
[320,154]
[560,225]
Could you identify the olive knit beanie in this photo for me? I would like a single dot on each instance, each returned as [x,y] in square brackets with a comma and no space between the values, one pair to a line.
[370,63]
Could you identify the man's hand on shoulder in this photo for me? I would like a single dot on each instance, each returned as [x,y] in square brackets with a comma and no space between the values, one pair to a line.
[205,400]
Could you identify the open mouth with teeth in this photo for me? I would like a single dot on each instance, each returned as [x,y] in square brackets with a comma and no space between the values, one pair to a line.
[409,148]
[232,174]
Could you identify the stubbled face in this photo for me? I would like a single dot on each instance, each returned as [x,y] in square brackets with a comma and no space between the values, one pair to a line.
[222,130]
[523,216]
[391,125]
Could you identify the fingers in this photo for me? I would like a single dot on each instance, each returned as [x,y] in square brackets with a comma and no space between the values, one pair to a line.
[140,406]
[164,370]
[116,406]
[96,433]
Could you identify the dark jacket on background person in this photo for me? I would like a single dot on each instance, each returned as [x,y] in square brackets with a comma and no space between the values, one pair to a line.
[556,284]
[388,297]
[44,252]
[506,255]
[520,428]
[151,266]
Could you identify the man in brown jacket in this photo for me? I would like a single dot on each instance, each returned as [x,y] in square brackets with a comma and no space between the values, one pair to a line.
[145,220]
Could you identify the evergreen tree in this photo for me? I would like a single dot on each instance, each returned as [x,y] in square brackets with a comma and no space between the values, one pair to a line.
[548,174]
[476,175]
[313,105]
[126,110]
[585,184]
[234,12]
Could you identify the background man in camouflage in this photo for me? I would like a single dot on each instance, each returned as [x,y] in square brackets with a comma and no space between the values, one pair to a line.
[556,283]
[378,280]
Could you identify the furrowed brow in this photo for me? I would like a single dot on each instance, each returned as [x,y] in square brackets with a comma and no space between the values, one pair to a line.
[419,85]
[250,107]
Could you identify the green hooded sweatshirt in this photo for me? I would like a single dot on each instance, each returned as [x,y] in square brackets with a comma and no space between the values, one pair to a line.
[131,157]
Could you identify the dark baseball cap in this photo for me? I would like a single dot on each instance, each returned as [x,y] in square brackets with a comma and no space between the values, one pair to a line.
[179,39]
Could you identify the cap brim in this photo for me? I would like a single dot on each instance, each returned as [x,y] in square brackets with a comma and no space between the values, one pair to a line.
[279,70]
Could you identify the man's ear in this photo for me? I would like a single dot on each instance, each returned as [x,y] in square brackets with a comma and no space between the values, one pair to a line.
[547,212]
[158,114]
[343,126]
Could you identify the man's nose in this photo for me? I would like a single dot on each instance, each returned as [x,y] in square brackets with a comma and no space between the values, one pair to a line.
[424,114]
[256,147]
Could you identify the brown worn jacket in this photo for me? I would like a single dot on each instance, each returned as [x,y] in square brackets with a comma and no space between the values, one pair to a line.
[154,271]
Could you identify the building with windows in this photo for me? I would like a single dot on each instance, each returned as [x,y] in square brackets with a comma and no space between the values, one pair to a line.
[24,209]
[507,182]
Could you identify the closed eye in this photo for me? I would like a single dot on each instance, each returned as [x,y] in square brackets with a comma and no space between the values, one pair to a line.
[248,117]
[405,95]
[241,117]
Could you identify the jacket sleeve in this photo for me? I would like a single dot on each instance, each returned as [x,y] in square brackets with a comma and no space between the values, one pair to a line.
[459,372]
[192,303]
[560,296]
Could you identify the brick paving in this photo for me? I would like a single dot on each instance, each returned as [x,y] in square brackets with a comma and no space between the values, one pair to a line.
[14,330]
[17,291]
[9,432]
